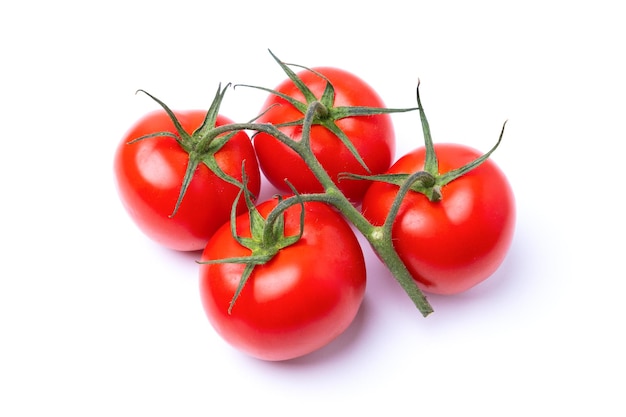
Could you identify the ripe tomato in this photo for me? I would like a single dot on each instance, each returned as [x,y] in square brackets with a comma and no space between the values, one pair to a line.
[150,172]
[300,300]
[451,245]
[372,136]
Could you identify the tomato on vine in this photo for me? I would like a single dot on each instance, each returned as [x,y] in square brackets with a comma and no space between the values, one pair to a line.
[455,225]
[280,283]
[177,179]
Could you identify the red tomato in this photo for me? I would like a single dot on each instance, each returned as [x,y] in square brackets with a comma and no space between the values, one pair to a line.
[149,175]
[451,245]
[372,136]
[300,300]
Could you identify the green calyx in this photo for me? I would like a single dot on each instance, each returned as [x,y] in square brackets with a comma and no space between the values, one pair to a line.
[326,114]
[201,145]
[429,181]
[267,237]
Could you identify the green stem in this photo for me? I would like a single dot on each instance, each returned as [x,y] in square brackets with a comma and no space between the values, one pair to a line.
[379,237]
[431,164]
[382,244]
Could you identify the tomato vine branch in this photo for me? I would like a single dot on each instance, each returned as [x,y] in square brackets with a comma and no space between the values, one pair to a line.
[381,242]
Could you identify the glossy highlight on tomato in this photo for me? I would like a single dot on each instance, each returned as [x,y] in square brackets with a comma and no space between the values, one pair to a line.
[299,301]
[372,136]
[149,174]
[454,244]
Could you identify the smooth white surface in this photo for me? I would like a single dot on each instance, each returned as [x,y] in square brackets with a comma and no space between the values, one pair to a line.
[95,320]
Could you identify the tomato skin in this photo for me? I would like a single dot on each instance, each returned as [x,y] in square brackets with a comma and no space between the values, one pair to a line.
[451,245]
[300,300]
[149,174]
[372,136]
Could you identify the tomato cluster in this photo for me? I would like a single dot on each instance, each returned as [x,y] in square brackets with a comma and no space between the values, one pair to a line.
[284,277]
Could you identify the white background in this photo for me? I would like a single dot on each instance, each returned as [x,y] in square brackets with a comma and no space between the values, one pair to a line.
[95,320]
